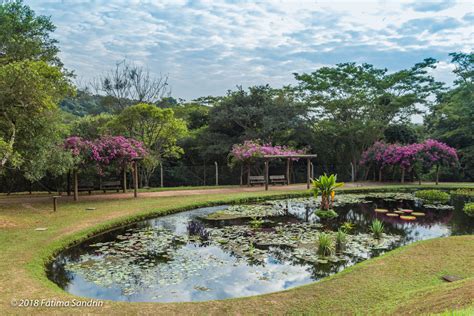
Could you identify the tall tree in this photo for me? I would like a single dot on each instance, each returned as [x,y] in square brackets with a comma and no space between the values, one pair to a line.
[156,128]
[351,105]
[32,82]
[129,84]
[23,35]
[451,118]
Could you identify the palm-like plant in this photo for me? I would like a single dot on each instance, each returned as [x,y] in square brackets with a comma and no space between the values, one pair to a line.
[326,185]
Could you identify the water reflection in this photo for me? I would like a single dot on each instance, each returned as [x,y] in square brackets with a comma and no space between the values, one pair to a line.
[150,262]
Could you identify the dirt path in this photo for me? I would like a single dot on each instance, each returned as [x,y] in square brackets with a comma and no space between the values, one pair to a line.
[114,196]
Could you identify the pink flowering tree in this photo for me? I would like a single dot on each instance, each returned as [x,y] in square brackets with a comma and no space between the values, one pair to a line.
[373,157]
[436,153]
[116,151]
[412,157]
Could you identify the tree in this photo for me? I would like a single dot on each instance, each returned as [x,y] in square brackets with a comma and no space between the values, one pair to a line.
[23,35]
[350,105]
[129,84]
[32,82]
[401,133]
[157,128]
[29,93]
[450,119]
[92,126]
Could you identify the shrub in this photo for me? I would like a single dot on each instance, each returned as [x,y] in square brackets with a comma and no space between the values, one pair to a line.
[467,194]
[469,209]
[325,244]
[326,214]
[256,222]
[433,196]
[377,228]
[347,227]
[341,239]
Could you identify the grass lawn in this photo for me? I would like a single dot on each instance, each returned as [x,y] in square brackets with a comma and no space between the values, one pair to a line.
[403,281]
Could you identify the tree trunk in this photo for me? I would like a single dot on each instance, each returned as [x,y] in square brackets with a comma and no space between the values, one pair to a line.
[437,174]
[69,183]
[380,174]
[76,186]
[124,184]
[241,175]
[403,175]
[248,175]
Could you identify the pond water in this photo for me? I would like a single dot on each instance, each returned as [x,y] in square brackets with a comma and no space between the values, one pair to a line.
[242,250]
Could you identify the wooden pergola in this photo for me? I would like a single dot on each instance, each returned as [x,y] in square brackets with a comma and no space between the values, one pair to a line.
[308,158]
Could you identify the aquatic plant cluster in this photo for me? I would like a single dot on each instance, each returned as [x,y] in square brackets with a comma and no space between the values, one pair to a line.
[433,196]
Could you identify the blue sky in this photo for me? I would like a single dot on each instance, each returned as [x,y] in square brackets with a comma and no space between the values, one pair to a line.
[208,47]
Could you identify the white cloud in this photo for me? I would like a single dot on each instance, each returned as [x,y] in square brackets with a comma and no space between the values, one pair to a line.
[208,47]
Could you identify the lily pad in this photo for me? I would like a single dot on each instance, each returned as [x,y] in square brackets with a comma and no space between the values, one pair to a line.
[381,210]
[408,218]
[407,211]
[392,214]
[418,214]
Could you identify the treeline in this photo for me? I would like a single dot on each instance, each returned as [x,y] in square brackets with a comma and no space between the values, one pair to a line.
[337,112]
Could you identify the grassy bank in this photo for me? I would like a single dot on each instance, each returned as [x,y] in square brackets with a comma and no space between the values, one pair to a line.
[405,280]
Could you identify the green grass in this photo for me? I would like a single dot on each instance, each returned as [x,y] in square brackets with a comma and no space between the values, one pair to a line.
[403,281]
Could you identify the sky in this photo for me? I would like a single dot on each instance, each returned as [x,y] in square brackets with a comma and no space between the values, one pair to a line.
[209,47]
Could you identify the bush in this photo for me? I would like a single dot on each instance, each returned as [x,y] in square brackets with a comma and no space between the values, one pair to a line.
[325,245]
[433,196]
[377,228]
[326,214]
[469,209]
[341,239]
[467,194]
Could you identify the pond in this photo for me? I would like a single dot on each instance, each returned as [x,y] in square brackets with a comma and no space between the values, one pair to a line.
[234,251]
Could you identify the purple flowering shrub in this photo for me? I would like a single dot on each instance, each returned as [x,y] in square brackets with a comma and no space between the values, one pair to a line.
[252,149]
[105,151]
[426,154]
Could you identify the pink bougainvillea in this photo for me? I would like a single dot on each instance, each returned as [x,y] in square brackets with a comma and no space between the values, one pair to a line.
[252,149]
[106,150]
[430,152]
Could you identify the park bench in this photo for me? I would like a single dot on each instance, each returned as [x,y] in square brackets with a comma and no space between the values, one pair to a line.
[86,187]
[256,180]
[110,185]
[278,179]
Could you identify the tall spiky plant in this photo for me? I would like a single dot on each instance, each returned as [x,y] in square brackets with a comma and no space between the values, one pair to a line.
[326,185]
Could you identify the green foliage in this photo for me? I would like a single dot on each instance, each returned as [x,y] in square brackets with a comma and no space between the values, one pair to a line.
[469,209]
[25,36]
[325,244]
[31,124]
[326,214]
[326,185]
[377,228]
[353,104]
[450,119]
[91,126]
[401,133]
[256,222]
[341,239]
[347,227]
[433,196]
[463,193]
[157,128]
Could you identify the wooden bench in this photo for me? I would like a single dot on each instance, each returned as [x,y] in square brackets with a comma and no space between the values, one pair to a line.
[110,185]
[278,179]
[256,180]
[86,187]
